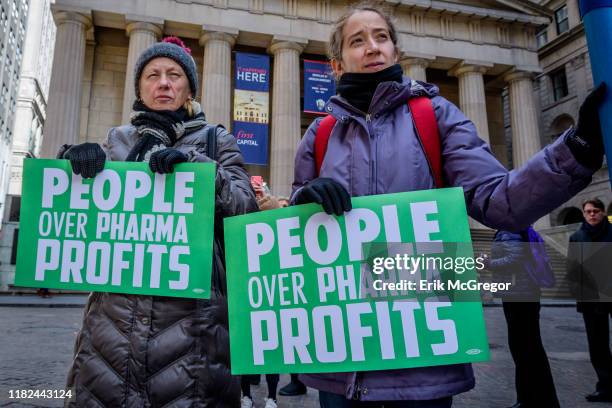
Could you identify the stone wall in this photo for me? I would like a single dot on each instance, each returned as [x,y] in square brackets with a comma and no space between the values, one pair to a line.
[103,82]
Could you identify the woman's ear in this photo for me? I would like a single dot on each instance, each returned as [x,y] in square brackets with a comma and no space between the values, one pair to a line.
[337,68]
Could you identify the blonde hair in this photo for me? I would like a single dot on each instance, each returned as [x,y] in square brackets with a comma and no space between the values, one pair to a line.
[334,48]
[188,106]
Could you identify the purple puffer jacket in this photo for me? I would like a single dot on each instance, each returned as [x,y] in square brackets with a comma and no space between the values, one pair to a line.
[382,154]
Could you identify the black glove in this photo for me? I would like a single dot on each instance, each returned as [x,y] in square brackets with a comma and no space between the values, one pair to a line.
[586,141]
[86,159]
[163,161]
[327,192]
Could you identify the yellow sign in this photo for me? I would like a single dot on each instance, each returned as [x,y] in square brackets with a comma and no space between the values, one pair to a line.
[251,106]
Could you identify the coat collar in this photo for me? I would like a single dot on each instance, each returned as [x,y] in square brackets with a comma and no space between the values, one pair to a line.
[388,96]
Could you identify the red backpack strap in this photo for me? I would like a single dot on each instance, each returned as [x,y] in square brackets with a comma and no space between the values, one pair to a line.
[322,139]
[427,130]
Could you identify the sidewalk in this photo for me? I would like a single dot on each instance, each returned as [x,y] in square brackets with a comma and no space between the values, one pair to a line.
[79,300]
[38,343]
[29,300]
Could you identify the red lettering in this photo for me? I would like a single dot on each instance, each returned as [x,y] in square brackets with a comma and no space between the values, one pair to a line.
[244,135]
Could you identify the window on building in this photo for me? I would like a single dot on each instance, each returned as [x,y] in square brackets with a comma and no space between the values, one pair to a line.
[560,124]
[14,249]
[561,20]
[559,82]
[571,216]
[15,209]
[542,37]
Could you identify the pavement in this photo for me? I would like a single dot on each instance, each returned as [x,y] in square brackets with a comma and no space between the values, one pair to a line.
[79,300]
[28,300]
[36,345]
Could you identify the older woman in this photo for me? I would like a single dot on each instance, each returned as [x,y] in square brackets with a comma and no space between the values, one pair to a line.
[137,351]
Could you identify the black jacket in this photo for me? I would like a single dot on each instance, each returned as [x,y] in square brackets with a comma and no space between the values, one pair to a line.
[589,263]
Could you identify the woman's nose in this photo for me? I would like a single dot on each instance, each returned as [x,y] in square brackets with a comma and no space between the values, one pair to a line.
[372,46]
[163,81]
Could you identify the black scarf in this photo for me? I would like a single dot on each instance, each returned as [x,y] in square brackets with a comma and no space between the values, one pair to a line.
[159,129]
[596,231]
[358,88]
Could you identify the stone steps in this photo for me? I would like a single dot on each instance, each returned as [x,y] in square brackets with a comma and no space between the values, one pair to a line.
[482,239]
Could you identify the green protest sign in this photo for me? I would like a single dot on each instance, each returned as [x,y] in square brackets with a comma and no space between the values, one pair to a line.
[128,230]
[311,293]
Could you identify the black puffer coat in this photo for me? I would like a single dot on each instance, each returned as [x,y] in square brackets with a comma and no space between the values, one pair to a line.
[147,351]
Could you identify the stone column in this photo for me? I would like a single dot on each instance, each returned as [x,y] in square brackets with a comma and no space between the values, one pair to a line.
[64,107]
[217,74]
[524,123]
[415,68]
[523,117]
[142,35]
[472,99]
[285,113]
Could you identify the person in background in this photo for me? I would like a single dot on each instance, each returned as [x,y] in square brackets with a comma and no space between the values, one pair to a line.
[265,201]
[589,257]
[295,387]
[43,293]
[154,351]
[247,398]
[511,259]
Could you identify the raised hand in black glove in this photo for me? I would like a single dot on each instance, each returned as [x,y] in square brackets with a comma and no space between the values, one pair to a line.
[86,159]
[586,141]
[327,192]
[163,161]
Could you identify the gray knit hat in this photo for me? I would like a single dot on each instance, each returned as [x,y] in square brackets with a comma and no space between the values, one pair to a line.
[175,49]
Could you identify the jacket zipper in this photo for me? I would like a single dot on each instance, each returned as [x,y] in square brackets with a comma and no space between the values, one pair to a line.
[368,118]
[357,393]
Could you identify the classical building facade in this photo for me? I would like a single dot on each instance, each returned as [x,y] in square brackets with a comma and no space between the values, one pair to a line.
[476,51]
[564,83]
[472,49]
[13,16]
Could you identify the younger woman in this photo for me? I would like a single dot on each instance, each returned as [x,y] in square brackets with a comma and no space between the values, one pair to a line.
[373,149]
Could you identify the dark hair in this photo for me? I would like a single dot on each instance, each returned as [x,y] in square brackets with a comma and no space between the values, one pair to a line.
[595,202]
[334,48]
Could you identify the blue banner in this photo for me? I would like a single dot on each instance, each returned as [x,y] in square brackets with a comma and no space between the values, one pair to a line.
[251,106]
[588,5]
[319,85]
[597,25]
